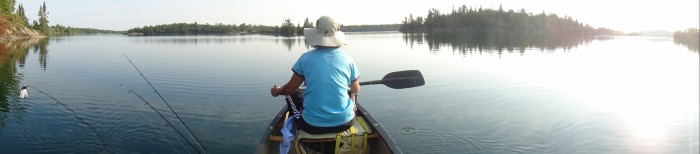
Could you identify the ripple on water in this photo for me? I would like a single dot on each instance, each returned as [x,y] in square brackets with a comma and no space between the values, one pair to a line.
[413,140]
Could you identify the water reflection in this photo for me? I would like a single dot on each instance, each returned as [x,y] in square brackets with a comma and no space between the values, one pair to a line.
[289,42]
[190,40]
[693,46]
[294,41]
[471,42]
[13,55]
[627,95]
[41,48]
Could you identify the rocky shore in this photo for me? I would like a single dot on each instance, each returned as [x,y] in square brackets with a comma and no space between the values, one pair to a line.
[14,32]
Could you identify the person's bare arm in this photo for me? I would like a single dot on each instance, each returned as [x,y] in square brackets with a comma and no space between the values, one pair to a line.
[354,88]
[289,88]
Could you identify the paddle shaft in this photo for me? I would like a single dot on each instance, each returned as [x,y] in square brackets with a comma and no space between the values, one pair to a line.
[386,80]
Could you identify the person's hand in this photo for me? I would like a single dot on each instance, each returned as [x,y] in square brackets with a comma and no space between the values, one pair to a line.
[275,90]
[353,97]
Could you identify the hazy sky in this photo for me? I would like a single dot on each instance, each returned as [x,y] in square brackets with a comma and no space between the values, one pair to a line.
[625,15]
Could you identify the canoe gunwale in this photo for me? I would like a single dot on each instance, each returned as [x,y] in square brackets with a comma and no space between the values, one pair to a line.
[378,129]
[269,129]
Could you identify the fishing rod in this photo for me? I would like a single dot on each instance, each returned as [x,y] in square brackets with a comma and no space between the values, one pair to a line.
[166,103]
[166,120]
[169,124]
[94,131]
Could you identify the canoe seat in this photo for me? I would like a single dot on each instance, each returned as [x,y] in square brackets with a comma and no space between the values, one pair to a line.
[277,138]
[351,141]
[330,136]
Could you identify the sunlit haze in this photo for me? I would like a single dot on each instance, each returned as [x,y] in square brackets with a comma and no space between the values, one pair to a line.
[624,15]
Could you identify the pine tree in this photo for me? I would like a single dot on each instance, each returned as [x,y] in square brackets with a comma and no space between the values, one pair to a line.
[43,25]
[287,28]
[308,24]
[7,6]
[22,15]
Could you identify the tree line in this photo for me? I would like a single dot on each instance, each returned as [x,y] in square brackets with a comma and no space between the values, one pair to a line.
[68,30]
[287,28]
[366,28]
[9,15]
[17,17]
[484,19]
[689,38]
[196,28]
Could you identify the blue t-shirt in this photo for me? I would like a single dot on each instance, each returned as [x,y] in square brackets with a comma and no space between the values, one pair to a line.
[327,73]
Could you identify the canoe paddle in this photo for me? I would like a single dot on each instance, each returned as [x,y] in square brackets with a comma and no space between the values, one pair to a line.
[400,80]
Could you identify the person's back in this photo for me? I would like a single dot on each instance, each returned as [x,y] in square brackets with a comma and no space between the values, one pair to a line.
[329,74]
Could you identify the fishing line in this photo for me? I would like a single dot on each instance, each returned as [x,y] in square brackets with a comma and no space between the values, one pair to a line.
[176,138]
[166,103]
[94,131]
[161,132]
[168,134]
[166,120]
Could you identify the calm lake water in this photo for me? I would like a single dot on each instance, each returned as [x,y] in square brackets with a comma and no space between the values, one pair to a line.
[482,95]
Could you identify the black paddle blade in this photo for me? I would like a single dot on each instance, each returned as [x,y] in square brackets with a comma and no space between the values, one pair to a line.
[403,79]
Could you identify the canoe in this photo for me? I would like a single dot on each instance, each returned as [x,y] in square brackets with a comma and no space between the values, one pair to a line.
[379,141]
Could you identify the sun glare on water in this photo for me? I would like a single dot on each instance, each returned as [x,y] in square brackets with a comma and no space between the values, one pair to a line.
[649,127]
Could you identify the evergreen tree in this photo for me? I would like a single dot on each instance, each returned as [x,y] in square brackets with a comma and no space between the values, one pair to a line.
[299,30]
[43,25]
[22,15]
[7,7]
[308,24]
[288,28]
[242,27]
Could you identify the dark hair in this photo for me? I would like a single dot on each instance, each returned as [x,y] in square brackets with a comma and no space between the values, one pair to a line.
[323,47]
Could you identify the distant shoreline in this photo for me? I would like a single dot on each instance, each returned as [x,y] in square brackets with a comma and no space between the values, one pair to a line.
[194,34]
[287,29]
[245,33]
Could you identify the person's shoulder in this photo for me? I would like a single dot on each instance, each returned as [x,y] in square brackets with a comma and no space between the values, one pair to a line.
[341,51]
[333,50]
[313,51]
[316,50]
[337,49]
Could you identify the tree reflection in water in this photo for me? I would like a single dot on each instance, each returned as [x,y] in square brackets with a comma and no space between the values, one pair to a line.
[13,56]
[489,41]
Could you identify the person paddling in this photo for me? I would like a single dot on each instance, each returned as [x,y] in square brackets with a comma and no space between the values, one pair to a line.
[331,78]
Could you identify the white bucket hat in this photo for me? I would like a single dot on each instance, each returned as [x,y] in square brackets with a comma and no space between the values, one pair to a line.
[327,33]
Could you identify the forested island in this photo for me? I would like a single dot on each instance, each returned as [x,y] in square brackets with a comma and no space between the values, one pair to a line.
[466,18]
[469,29]
[689,38]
